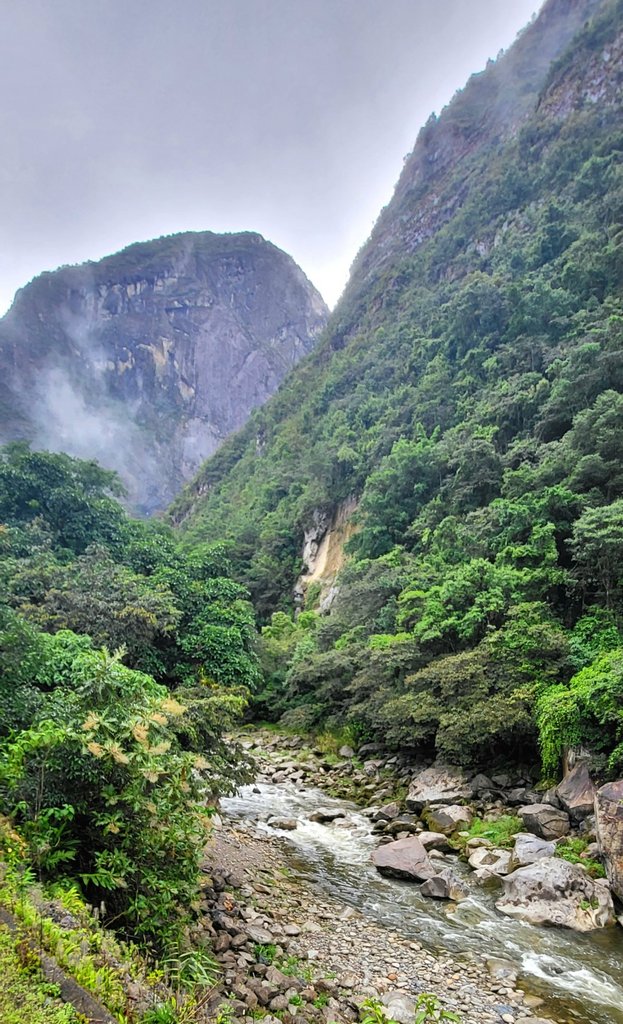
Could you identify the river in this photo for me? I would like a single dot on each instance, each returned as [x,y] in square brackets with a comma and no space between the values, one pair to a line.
[579,976]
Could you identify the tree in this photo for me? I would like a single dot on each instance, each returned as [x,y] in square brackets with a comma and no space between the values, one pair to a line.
[106,787]
[597,546]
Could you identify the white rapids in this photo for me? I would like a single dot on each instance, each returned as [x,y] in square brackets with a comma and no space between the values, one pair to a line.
[581,976]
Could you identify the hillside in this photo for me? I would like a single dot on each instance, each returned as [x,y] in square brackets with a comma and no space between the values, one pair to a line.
[466,403]
[147,360]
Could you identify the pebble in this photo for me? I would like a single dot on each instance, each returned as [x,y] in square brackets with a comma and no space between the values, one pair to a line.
[366,958]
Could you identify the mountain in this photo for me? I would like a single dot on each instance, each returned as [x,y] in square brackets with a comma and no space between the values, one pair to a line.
[147,360]
[441,478]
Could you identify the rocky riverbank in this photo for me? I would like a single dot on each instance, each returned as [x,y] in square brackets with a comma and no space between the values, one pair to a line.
[540,848]
[291,954]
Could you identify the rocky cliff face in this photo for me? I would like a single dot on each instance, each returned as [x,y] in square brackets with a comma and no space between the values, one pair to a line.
[150,358]
[490,110]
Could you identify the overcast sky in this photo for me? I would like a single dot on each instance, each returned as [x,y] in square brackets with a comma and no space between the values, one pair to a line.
[122,120]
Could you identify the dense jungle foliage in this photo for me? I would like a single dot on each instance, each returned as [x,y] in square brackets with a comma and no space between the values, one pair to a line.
[122,661]
[470,397]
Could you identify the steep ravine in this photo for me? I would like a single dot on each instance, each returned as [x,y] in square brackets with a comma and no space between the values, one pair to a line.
[560,974]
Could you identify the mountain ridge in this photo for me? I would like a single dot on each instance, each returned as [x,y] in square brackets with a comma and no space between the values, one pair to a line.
[466,404]
[149,358]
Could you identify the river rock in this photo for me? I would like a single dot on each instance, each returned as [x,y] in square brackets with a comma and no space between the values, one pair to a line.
[405,858]
[544,820]
[400,1007]
[434,841]
[550,797]
[609,826]
[520,796]
[477,843]
[392,828]
[577,791]
[439,784]
[258,934]
[346,751]
[482,784]
[448,819]
[445,886]
[552,891]
[502,970]
[496,861]
[387,812]
[529,848]
[285,824]
[487,878]
[324,815]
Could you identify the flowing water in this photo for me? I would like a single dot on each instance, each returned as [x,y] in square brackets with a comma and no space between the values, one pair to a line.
[580,976]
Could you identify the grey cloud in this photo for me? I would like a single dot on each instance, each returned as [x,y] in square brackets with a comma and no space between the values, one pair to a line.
[123,120]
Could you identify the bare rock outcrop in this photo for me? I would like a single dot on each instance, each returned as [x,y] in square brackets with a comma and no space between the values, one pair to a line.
[576,792]
[554,892]
[609,823]
[147,360]
[439,784]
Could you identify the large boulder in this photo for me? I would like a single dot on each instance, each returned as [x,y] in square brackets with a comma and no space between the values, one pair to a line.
[405,858]
[576,792]
[434,841]
[482,784]
[544,820]
[325,815]
[448,819]
[445,886]
[552,891]
[387,812]
[400,1007]
[498,862]
[528,849]
[439,784]
[609,827]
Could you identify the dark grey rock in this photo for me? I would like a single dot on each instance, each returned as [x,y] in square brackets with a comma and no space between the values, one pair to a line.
[445,886]
[577,792]
[405,858]
[325,815]
[544,820]
[148,359]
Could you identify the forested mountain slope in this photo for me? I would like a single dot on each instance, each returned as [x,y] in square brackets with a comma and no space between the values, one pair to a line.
[466,397]
[148,359]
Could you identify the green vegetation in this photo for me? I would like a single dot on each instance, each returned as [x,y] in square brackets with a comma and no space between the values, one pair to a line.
[469,393]
[573,850]
[500,831]
[109,763]
[265,952]
[427,1010]
[25,998]
[58,923]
